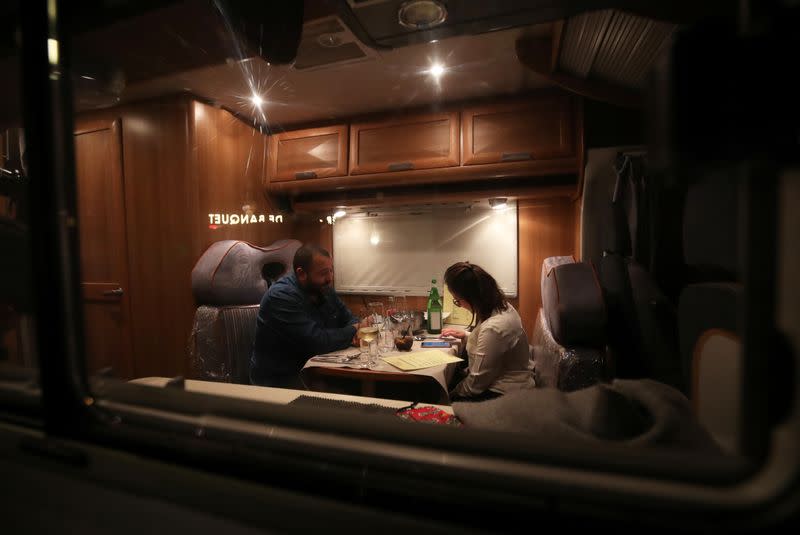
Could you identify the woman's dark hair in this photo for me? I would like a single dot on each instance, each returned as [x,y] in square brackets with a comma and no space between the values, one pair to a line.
[473,284]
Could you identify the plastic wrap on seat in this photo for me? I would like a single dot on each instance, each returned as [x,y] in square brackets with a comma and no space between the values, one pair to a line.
[564,368]
[221,342]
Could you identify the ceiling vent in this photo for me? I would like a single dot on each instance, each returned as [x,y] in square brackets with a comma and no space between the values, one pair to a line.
[612,46]
[328,41]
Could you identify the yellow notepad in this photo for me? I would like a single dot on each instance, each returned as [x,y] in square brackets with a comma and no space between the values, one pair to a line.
[420,359]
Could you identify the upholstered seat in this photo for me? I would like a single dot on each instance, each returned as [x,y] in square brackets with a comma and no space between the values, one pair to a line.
[569,336]
[709,308]
[228,282]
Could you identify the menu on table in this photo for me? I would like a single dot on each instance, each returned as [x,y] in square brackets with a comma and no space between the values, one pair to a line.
[420,359]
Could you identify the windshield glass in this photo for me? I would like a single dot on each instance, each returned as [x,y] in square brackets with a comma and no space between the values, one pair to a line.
[437,211]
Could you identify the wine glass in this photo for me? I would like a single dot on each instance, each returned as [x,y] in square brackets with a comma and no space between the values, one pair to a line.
[368,337]
[376,310]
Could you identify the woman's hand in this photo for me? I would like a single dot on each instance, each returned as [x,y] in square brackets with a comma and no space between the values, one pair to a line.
[455,333]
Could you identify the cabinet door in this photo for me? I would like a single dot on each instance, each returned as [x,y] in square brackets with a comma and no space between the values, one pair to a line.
[537,129]
[312,153]
[415,142]
[103,247]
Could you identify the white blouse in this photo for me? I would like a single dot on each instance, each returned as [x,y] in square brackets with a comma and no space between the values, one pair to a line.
[499,356]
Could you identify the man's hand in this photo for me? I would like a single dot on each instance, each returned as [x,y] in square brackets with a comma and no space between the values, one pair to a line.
[366,322]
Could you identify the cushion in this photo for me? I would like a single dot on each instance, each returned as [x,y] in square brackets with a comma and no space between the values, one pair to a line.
[564,368]
[221,343]
[573,305]
[638,412]
[232,272]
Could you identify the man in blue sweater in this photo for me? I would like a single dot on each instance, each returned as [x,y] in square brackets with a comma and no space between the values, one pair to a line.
[300,316]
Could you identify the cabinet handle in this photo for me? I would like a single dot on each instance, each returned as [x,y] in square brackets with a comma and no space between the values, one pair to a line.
[516,156]
[402,166]
[114,292]
[306,174]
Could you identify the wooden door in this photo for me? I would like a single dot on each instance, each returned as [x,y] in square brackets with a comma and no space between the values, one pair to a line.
[103,247]
[311,153]
[424,141]
[539,128]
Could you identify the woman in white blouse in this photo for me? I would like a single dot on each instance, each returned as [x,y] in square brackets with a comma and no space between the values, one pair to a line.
[497,348]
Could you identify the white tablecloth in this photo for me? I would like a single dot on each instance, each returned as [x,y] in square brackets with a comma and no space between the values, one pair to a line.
[442,373]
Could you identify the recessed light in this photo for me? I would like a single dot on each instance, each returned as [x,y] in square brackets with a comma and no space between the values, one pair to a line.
[421,14]
[436,70]
[257,101]
[329,40]
[339,213]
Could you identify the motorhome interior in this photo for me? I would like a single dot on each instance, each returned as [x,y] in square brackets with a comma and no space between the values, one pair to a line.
[625,171]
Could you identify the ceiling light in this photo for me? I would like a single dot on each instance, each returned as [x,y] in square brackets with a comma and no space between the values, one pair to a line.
[256,100]
[498,203]
[421,14]
[436,70]
[339,213]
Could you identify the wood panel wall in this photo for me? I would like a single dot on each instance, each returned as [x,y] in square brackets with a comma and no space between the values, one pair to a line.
[182,161]
[545,229]
[577,206]
[159,194]
[228,164]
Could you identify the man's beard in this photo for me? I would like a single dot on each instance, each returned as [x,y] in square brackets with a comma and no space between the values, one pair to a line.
[316,290]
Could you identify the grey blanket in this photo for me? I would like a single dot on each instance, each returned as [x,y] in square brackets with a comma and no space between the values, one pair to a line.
[637,412]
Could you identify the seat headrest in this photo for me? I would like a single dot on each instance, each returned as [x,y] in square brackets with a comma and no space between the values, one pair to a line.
[552,261]
[233,272]
[574,306]
[711,226]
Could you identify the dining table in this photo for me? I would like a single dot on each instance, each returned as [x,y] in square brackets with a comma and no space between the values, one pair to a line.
[344,372]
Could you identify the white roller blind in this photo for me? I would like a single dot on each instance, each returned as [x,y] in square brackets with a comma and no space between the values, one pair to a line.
[400,252]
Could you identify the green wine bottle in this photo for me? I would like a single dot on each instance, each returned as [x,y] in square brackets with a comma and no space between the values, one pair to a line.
[434,324]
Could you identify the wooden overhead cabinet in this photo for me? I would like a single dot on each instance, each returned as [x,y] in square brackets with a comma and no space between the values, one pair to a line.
[534,129]
[423,141]
[311,153]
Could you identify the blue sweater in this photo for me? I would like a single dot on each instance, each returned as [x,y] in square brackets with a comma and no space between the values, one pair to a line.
[290,329]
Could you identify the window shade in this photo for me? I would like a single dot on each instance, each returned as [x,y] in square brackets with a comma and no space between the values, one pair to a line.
[400,252]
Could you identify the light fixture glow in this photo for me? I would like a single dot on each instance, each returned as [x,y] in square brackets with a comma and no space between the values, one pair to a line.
[52,51]
[375,238]
[257,101]
[498,203]
[436,70]
[339,213]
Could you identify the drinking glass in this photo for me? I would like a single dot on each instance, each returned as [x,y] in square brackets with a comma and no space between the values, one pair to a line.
[368,337]
[376,310]
[386,338]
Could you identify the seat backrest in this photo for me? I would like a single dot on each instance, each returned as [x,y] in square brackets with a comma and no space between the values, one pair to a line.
[642,321]
[709,308]
[569,337]
[228,282]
